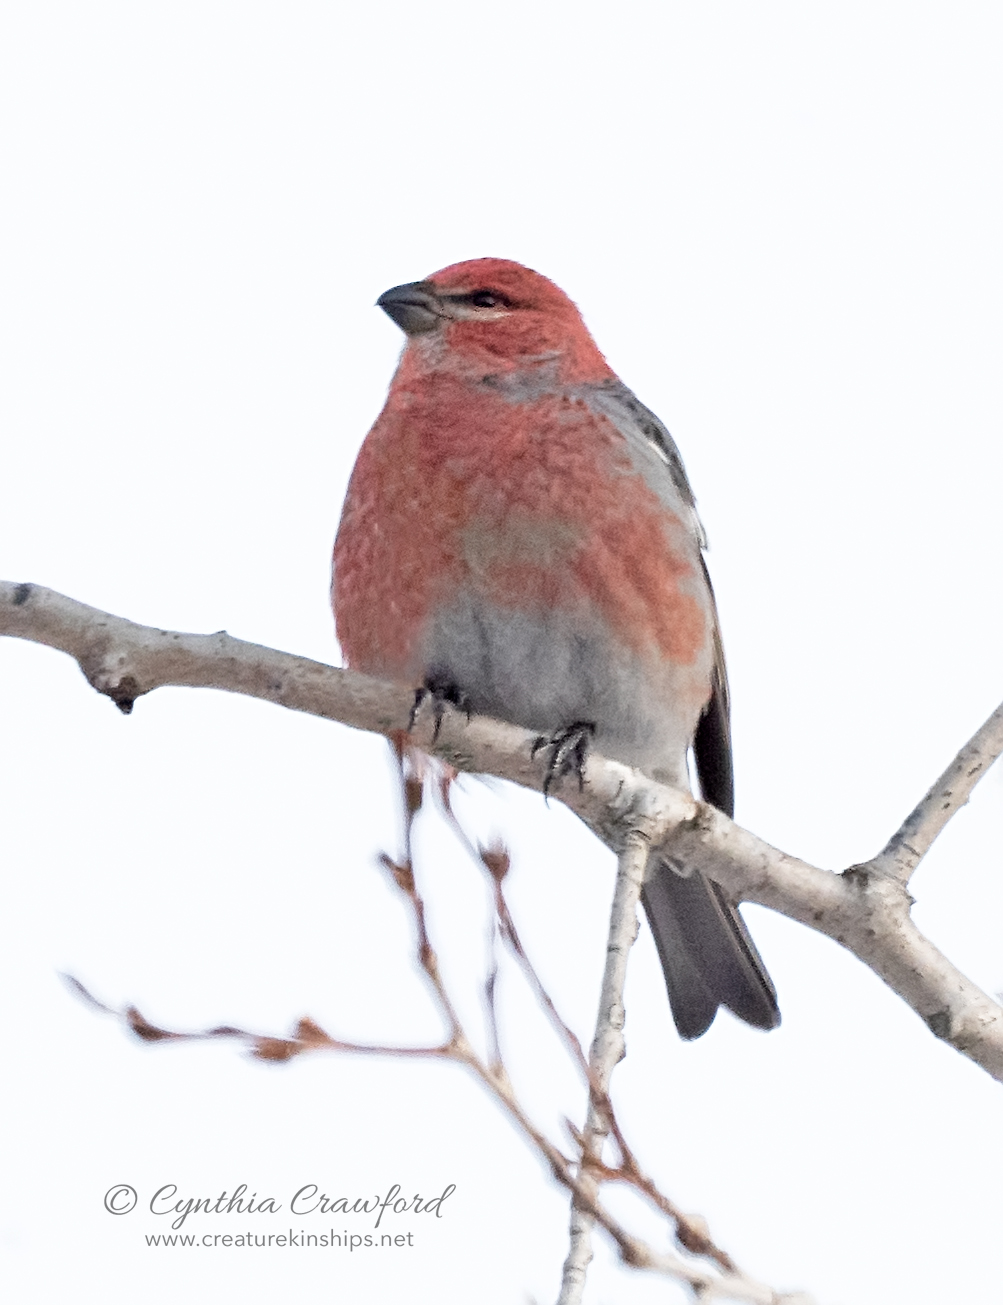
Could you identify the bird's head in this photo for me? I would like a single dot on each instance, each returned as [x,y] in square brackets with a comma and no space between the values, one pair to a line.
[496,316]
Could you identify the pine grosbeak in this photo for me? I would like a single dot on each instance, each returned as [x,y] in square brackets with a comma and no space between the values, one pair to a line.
[519,536]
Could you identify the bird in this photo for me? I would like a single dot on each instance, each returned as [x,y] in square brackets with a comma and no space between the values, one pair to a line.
[519,537]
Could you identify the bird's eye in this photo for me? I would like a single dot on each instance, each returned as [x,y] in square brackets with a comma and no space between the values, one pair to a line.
[486,299]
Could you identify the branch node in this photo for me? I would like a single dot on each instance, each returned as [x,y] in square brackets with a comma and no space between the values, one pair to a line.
[870,876]
[939,1024]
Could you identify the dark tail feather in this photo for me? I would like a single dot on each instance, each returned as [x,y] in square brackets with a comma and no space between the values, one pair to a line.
[707,954]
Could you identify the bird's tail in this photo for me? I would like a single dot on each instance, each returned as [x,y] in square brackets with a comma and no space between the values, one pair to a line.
[707,954]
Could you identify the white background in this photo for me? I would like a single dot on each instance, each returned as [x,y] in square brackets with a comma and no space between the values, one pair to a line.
[782,223]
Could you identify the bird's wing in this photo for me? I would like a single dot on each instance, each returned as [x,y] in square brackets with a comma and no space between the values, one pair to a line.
[712,743]
[707,954]
[640,426]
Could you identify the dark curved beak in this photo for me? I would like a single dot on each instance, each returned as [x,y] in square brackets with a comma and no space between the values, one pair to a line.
[414,307]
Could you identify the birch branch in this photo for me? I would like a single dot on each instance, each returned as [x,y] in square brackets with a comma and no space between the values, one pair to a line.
[865,909]
[906,848]
[606,1053]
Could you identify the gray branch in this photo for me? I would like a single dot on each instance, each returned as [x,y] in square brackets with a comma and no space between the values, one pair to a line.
[607,1051]
[866,908]
[906,848]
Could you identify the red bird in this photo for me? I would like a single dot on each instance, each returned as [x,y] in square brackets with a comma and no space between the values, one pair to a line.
[519,537]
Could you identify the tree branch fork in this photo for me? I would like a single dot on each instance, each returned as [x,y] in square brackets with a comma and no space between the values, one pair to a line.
[866,908]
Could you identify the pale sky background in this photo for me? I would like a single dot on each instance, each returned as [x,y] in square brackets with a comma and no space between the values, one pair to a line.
[782,223]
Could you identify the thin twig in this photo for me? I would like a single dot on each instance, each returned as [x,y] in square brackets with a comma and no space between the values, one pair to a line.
[906,848]
[496,861]
[307,1035]
[607,1050]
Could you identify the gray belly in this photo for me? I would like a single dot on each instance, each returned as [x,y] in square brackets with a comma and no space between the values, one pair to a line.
[546,670]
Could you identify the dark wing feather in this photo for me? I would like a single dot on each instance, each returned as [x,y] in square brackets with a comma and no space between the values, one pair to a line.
[712,744]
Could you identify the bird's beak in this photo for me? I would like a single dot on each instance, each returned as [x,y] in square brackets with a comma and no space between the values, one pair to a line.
[414,307]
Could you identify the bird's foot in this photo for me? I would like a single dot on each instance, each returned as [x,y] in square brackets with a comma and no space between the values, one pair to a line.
[439,694]
[568,750]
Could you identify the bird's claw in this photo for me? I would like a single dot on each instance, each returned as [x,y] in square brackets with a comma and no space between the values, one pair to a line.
[568,750]
[440,694]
